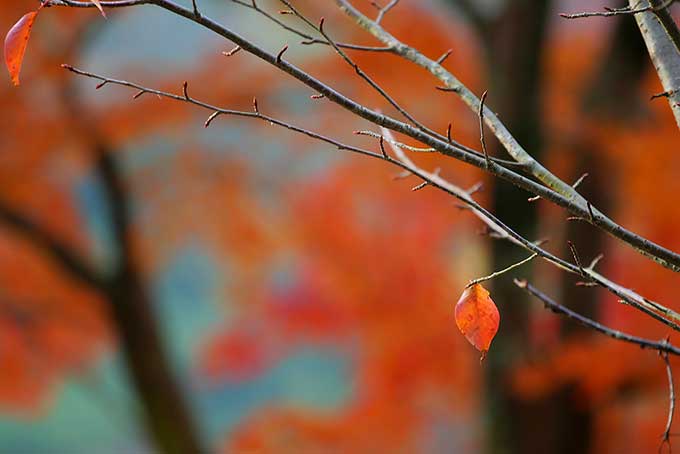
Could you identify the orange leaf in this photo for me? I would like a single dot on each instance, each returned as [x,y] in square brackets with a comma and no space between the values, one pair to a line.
[99,7]
[15,44]
[477,317]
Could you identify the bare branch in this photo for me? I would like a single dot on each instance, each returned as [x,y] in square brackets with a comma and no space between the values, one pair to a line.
[554,190]
[671,402]
[665,257]
[653,309]
[307,39]
[105,4]
[360,72]
[660,346]
[662,38]
[76,266]
[609,12]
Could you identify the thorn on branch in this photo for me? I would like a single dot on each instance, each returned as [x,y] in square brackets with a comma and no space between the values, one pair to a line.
[595,261]
[280,54]
[231,52]
[185,90]
[138,94]
[451,89]
[590,211]
[477,187]
[211,118]
[665,94]
[317,96]
[578,182]
[420,186]
[444,56]
[448,133]
[382,147]
[255,107]
[100,85]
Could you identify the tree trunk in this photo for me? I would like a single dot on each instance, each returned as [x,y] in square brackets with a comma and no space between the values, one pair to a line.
[515,57]
[166,413]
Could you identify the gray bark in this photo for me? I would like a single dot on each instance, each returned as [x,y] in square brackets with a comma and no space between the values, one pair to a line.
[662,39]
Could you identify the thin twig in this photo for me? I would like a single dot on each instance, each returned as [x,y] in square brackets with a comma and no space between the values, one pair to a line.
[618,11]
[554,190]
[577,259]
[671,402]
[662,255]
[308,39]
[503,271]
[359,71]
[232,52]
[497,228]
[662,346]
[481,128]
[385,10]
[394,142]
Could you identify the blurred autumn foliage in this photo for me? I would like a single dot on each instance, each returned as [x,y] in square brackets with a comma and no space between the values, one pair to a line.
[306,296]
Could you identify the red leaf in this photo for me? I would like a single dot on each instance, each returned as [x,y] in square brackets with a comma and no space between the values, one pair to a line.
[99,7]
[237,355]
[477,317]
[15,44]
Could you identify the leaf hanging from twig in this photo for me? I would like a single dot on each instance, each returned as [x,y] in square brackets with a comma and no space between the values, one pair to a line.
[16,42]
[477,317]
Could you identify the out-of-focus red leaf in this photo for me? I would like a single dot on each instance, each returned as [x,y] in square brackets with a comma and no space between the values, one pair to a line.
[236,355]
[16,42]
[477,317]
[99,7]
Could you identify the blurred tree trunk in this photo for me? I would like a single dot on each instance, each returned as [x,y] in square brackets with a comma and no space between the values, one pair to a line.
[166,412]
[612,96]
[514,56]
[514,44]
